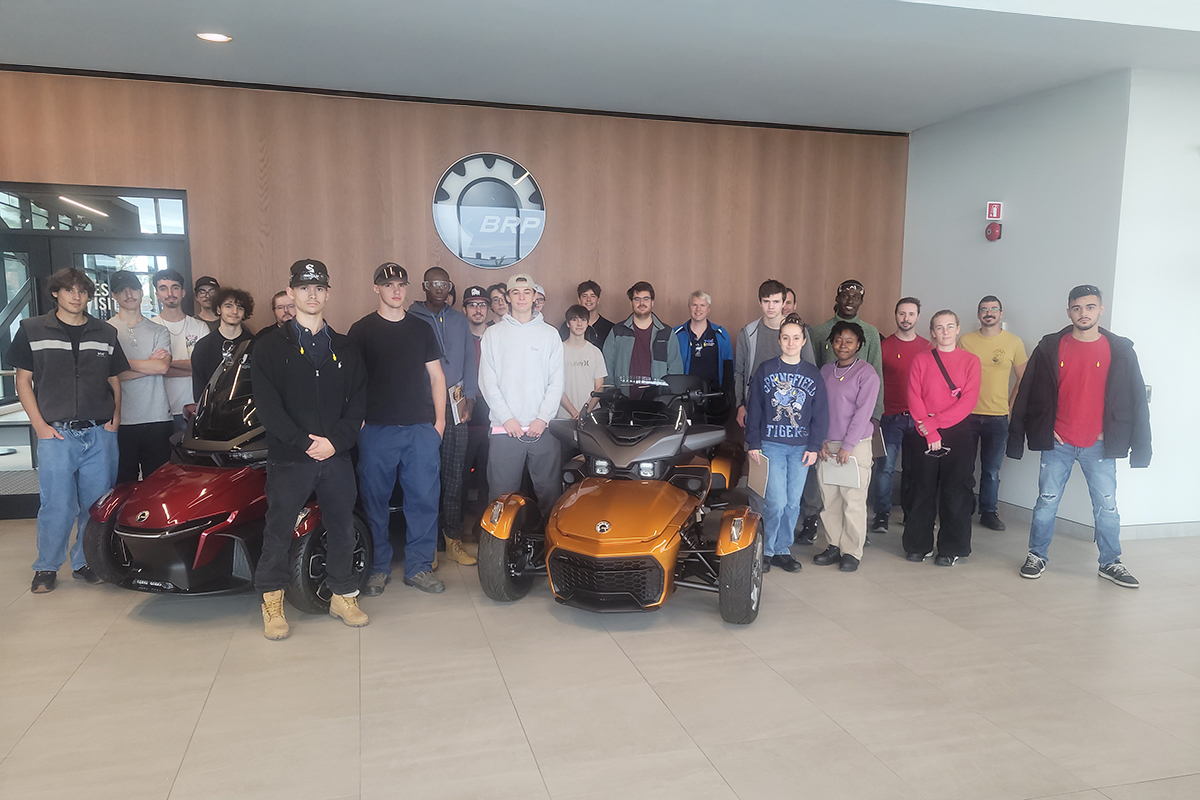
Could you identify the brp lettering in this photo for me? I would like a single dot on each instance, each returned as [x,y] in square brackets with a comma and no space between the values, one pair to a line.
[496,224]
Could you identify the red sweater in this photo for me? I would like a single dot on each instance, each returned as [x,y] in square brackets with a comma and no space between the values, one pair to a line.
[929,397]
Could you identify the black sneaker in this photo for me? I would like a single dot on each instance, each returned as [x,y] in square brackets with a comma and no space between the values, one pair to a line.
[808,534]
[991,520]
[849,563]
[945,561]
[830,555]
[867,540]
[880,523]
[786,563]
[1033,567]
[85,573]
[767,564]
[43,582]
[1117,573]
[917,558]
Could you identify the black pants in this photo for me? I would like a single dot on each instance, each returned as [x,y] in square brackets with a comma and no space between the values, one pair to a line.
[142,448]
[475,469]
[289,485]
[942,488]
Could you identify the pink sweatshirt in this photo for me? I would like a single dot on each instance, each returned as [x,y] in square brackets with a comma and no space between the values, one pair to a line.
[929,397]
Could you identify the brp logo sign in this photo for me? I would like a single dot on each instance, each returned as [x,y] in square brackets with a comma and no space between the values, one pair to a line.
[488,211]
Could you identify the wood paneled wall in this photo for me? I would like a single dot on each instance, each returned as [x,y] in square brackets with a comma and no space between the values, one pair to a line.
[274,176]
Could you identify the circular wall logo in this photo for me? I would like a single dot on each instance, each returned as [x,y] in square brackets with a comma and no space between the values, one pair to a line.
[488,210]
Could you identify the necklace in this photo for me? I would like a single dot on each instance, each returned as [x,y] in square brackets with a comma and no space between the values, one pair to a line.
[842,377]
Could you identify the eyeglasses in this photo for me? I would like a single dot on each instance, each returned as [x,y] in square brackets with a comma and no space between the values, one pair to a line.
[438,285]
[477,304]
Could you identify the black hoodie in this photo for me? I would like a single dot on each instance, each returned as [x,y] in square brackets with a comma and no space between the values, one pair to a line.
[1126,409]
[295,399]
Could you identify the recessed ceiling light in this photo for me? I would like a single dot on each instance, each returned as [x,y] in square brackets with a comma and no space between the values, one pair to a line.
[215,37]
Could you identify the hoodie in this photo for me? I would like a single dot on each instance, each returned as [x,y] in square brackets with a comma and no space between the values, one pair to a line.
[458,346]
[521,370]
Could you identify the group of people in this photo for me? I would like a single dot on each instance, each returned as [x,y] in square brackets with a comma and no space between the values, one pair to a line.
[435,398]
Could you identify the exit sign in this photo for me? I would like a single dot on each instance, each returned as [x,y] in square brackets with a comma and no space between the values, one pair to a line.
[994,210]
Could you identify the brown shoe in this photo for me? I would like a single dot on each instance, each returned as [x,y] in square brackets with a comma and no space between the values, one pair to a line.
[455,551]
[346,609]
[274,625]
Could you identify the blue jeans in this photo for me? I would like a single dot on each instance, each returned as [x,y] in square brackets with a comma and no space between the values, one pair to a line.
[785,487]
[409,452]
[989,434]
[1101,476]
[72,474]
[892,427]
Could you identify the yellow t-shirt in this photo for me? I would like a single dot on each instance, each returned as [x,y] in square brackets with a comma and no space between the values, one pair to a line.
[998,355]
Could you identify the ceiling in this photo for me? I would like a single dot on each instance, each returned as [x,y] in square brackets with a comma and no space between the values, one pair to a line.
[887,65]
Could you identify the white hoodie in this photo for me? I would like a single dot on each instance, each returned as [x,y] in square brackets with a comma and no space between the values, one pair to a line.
[521,370]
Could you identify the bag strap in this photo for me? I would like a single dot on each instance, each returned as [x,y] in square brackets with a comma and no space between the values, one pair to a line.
[954,390]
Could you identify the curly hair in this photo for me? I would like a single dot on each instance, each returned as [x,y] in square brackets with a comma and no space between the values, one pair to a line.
[241,298]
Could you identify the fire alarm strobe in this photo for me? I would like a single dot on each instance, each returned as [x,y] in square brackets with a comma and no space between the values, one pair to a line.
[992,231]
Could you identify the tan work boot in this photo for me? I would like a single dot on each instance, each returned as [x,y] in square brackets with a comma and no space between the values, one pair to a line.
[274,625]
[456,552]
[346,608]
[433,567]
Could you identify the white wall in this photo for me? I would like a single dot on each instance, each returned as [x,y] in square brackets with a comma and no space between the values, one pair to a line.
[1055,159]
[1158,279]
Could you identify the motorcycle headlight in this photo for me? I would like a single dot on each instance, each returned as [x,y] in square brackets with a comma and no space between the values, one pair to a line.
[601,467]
[646,469]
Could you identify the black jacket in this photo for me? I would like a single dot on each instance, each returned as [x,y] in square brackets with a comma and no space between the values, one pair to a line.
[295,399]
[1126,410]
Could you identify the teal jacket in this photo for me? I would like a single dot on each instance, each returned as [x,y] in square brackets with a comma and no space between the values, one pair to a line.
[665,358]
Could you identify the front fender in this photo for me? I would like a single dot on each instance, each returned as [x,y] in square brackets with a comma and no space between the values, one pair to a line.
[739,527]
[110,502]
[501,515]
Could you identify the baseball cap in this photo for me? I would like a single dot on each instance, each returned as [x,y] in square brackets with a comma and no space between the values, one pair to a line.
[309,271]
[390,271]
[538,288]
[475,293]
[122,280]
[205,280]
[521,279]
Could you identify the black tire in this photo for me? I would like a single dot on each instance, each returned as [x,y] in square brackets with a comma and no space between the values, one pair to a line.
[105,553]
[307,590]
[741,576]
[497,565]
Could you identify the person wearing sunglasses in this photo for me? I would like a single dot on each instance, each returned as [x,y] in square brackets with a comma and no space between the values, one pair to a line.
[943,388]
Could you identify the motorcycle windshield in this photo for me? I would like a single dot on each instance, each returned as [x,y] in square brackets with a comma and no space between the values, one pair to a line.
[225,411]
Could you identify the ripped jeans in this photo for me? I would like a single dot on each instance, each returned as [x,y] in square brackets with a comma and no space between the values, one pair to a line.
[1101,476]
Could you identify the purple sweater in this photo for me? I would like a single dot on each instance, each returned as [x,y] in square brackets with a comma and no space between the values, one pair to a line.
[851,393]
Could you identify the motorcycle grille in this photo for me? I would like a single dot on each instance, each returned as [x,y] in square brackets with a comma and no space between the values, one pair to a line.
[639,579]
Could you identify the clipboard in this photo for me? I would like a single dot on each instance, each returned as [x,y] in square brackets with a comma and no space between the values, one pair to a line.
[835,474]
[757,479]
[878,447]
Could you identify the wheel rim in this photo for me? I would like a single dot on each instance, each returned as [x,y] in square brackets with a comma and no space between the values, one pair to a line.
[318,574]
[756,575]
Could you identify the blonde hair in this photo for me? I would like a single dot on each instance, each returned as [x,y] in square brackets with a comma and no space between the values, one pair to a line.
[701,294]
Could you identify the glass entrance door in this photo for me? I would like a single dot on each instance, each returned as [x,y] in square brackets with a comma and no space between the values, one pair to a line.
[23,263]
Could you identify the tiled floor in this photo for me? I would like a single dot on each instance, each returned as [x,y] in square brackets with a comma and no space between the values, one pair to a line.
[900,681]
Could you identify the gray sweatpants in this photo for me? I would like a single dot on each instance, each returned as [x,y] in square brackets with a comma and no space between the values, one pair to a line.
[508,457]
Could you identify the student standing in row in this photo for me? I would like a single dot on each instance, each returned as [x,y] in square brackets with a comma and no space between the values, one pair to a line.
[583,366]
[898,350]
[68,364]
[146,427]
[185,333]
[943,387]
[405,419]
[233,307]
[786,422]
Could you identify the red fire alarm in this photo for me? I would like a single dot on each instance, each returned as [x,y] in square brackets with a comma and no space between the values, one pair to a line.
[992,231]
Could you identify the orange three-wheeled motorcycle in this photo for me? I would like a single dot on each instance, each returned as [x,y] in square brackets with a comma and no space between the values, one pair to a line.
[636,519]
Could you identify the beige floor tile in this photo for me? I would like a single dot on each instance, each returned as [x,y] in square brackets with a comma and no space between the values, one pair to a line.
[314,760]
[1105,667]
[683,774]
[1185,787]
[755,704]
[1179,649]
[1098,742]
[830,765]
[603,723]
[960,755]
[675,653]
[533,667]
[21,702]
[1176,713]
[867,694]
[413,687]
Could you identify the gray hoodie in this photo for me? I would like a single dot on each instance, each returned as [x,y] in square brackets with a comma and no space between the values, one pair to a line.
[521,370]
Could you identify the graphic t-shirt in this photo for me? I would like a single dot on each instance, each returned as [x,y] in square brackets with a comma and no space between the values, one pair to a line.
[581,367]
[395,354]
[1082,375]
[997,356]
[184,335]
[897,359]
[143,399]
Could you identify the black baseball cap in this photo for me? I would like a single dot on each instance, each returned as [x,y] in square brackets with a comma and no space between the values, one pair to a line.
[122,280]
[206,280]
[309,271]
[390,271]
[475,293]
